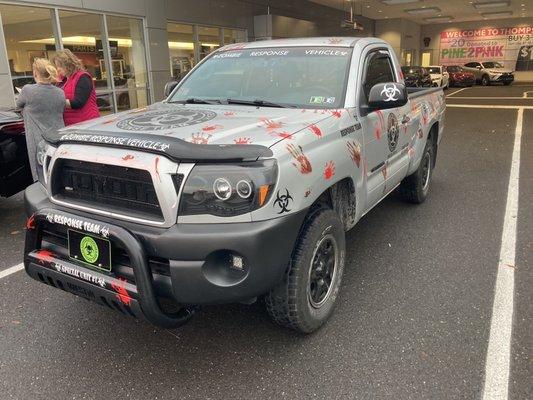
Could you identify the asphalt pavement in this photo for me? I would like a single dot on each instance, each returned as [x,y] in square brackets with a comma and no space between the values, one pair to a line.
[412,320]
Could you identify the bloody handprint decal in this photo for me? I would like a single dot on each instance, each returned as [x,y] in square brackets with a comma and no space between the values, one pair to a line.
[282,135]
[211,128]
[316,130]
[200,138]
[336,113]
[30,223]
[122,294]
[354,149]
[243,140]
[302,162]
[44,256]
[379,125]
[270,124]
[329,170]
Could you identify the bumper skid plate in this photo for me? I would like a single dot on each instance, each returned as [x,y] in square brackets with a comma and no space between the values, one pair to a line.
[137,300]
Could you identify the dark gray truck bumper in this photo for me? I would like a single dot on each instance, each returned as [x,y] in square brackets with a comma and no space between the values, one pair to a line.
[189,264]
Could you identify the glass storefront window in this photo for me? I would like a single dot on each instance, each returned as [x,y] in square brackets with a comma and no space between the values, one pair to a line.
[81,34]
[28,34]
[209,39]
[234,36]
[128,59]
[181,48]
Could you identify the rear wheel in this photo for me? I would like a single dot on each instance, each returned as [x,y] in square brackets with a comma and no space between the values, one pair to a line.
[485,80]
[305,299]
[415,188]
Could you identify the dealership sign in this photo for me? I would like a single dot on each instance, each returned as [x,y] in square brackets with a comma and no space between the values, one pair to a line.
[511,46]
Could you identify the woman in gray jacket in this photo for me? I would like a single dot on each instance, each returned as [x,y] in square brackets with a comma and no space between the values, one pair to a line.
[42,108]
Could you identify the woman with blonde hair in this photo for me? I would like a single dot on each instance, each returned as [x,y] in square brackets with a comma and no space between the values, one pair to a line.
[42,107]
[78,87]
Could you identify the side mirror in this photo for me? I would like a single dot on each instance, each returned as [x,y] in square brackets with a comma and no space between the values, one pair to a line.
[169,87]
[479,67]
[387,95]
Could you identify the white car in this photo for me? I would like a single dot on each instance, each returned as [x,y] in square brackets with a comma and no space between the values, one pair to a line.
[439,76]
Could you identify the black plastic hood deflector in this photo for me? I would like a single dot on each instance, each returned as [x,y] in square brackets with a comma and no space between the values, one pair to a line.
[171,147]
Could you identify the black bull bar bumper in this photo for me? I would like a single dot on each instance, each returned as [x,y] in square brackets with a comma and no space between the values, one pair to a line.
[137,300]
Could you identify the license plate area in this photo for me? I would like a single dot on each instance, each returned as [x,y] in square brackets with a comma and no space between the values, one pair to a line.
[91,250]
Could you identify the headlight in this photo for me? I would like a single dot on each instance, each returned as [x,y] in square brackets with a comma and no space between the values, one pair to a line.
[228,190]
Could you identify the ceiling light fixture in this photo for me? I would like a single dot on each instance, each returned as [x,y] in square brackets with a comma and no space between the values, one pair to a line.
[491,4]
[395,2]
[427,10]
[497,14]
[439,19]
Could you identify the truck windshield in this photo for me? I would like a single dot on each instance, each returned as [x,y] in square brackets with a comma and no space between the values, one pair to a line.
[303,77]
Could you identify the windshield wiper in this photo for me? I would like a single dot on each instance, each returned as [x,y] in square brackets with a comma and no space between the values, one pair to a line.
[259,103]
[194,100]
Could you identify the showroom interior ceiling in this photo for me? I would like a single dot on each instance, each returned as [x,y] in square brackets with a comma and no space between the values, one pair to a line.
[436,11]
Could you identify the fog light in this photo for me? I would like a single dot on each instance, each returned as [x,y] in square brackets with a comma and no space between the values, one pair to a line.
[237,262]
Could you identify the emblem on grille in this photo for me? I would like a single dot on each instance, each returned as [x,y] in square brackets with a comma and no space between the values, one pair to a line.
[166,119]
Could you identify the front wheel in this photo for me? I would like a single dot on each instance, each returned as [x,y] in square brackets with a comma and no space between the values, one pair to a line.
[415,188]
[305,299]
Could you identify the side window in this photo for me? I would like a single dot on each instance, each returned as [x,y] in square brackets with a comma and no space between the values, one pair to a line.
[378,70]
[470,65]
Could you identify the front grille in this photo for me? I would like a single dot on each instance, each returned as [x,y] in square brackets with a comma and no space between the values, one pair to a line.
[113,188]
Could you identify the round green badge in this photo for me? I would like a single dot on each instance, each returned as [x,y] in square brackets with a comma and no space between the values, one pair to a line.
[89,249]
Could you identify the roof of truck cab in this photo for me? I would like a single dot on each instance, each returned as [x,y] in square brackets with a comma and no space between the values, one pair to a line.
[312,41]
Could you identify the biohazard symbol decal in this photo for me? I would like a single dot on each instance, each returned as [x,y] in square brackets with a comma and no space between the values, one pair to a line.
[89,249]
[393,131]
[283,201]
[390,92]
[161,120]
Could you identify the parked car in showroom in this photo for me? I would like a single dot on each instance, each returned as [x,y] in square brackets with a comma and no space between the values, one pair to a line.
[240,185]
[459,76]
[15,172]
[416,77]
[489,72]
[439,76]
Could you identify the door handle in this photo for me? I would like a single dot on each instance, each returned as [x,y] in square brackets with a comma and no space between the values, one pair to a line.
[406,119]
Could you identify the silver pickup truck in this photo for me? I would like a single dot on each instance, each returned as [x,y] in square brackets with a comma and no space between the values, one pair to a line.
[240,185]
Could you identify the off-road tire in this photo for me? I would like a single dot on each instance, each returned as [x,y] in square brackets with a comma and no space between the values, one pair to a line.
[289,303]
[413,188]
[485,80]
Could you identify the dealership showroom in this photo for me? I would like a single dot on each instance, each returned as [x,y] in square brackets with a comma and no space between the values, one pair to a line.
[436,300]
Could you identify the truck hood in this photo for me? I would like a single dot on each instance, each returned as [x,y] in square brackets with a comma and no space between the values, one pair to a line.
[204,124]
[195,133]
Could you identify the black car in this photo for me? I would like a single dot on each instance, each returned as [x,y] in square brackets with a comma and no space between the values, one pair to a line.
[416,77]
[15,171]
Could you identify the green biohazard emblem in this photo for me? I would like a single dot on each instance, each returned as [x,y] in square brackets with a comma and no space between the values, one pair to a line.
[89,249]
